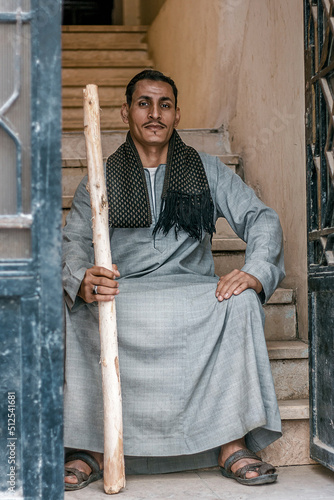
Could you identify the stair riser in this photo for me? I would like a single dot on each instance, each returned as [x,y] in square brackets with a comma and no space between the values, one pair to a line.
[105,58]
[225,262]
[114,28]
[71,177]
[102,76]
[108,96]
[73,145]
[293,448]
[223,229]
[109,118]
[290,378]
[95,41]
[280,322]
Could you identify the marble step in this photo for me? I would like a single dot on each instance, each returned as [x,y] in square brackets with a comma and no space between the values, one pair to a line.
[293,447]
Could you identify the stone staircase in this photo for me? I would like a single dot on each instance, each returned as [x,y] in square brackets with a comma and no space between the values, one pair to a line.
[288,355]
[108,56]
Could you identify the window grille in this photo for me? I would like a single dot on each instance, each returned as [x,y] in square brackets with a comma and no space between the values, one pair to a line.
[15,135]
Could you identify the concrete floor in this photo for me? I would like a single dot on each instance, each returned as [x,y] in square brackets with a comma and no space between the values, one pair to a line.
[305,482]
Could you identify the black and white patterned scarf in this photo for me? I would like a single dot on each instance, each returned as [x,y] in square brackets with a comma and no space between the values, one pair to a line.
[186,201]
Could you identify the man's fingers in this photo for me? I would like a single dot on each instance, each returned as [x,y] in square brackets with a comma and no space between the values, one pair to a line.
[103,298]
[102,271]
[104,282]
[103,290]
[230,288]
[101,280]
[240,288]
[236,282]
[226,282]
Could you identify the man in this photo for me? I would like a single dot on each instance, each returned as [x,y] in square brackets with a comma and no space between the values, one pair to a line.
[196,381]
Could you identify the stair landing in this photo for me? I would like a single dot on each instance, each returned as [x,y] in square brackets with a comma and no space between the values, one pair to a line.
[308,482]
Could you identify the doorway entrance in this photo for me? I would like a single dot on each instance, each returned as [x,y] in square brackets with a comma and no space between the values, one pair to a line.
[88,12]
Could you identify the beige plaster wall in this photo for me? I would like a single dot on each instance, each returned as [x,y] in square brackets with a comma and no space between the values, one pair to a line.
[239,64]
[198,43]
[267,126]
[149,10]
[139,12]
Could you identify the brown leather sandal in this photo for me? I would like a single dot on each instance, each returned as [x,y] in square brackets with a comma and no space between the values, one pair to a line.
[83,478]
[266,471]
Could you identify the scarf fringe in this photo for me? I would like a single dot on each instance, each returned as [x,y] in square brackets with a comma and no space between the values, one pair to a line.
[186,200]
[190,213]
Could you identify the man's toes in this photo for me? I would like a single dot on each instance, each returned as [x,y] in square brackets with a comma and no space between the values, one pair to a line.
[78,465]
[71,479]
[251,474]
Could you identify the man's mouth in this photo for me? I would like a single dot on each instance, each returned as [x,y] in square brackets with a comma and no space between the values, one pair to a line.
[154,126]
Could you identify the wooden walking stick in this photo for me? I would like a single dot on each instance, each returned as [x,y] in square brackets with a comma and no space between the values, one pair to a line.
[114,476]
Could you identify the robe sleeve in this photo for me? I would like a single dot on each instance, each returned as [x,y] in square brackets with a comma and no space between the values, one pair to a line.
[254,222]
[78,252]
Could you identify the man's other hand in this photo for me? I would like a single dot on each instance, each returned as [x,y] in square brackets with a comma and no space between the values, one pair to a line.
[236,282]
[99,284]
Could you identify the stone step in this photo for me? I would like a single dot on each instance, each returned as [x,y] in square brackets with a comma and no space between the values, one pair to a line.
[108,96]
[223,232]
[106,58]
[293,447]
[103,39]
[75,169]
[226,261]
[229,253]
[104,28]
[281,322]
[110,117]
[103,77]
[74,153]
[289,366]
[212,141]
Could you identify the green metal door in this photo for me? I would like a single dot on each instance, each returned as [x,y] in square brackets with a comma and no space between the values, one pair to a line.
[31,356]
[319,71]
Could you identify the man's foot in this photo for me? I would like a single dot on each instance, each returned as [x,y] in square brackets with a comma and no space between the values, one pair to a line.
[82,468]
[235,466]
[228,449]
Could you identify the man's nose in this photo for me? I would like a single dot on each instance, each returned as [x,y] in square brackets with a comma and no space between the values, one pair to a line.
[154,111]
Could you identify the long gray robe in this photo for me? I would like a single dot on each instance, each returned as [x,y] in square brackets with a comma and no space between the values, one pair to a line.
[195,372]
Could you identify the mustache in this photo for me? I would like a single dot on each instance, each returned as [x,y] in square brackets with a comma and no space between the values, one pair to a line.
[156,122]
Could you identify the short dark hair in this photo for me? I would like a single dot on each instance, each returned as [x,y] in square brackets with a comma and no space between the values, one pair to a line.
[148,74]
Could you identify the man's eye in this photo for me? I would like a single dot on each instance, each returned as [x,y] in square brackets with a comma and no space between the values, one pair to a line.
[143,103]
[165,105]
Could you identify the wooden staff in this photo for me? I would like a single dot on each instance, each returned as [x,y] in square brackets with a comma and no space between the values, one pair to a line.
[114,475]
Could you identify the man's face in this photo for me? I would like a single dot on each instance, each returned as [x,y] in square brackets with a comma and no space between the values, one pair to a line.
[152,115]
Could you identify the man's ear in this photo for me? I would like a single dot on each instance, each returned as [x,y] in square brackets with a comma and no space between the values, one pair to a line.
[177,117]
[125,113]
